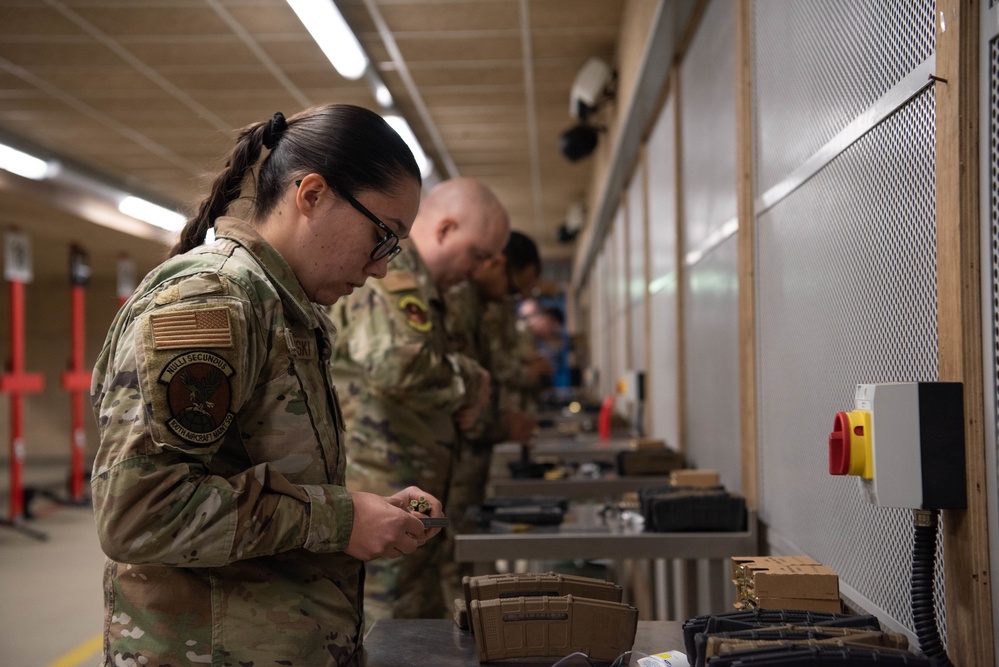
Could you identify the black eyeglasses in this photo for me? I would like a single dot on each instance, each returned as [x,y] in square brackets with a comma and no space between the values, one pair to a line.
[388,245]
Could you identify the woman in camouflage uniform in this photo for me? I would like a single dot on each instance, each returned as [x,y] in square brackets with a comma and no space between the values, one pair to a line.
[219,483]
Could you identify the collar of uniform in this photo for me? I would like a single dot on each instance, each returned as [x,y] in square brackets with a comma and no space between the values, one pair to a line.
[409,260]
[272,262]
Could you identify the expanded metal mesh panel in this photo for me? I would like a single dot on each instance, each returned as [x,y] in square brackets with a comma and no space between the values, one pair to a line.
[619,264]
[662,196]
[711,327]
[846,295]
[636,317]
[636,236]
[708,179]
[707,115]
[599,343]
[819,64]
[662,376]
[636,267]
[616,312]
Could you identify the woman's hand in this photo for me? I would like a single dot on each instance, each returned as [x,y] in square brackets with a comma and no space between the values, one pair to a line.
[384,526]
[409,494]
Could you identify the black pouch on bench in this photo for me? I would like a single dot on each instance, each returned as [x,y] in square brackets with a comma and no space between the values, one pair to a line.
[687,509]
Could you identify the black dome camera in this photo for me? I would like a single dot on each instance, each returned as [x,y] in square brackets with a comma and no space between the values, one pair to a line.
[578,142]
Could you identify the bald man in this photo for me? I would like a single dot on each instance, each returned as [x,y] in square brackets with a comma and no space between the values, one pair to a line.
[405,392]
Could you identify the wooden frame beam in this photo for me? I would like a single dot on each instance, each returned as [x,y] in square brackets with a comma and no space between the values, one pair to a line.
[959,313]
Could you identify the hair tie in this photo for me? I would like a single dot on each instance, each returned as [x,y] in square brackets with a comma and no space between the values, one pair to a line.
[275,128]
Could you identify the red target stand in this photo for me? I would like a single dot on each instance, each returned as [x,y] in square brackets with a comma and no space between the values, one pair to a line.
[76,380]
[16,382]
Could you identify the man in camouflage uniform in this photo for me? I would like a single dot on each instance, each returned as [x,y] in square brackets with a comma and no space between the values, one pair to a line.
[405,392]
[219,485]
[481,323]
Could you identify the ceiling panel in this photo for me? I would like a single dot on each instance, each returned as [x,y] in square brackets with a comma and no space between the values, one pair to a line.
[570,14]
[84,78]
[146,19]
[32,18]
[439,48]
[483,15]
[47,53]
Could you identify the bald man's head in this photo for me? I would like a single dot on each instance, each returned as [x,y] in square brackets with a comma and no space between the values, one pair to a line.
[460,226]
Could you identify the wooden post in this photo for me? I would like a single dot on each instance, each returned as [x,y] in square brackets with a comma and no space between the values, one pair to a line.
[959,313]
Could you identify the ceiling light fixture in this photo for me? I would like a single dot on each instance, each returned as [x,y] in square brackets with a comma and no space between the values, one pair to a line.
[24,164]
[326,25]
[383,96]
[152,213]
[400,125]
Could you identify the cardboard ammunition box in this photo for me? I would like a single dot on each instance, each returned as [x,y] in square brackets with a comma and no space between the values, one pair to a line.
[646,443]
[802,604]
[648,461]
[699,478]
[786,582]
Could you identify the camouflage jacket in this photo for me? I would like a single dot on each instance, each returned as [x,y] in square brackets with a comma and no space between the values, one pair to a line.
[471,335]
[487,331]
[219,482]
[509,361]
[401,382]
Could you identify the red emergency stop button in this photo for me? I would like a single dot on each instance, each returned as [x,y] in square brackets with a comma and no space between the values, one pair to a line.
[839,445]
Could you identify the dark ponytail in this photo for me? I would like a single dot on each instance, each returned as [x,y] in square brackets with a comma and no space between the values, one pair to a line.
[351,147]
[225,189]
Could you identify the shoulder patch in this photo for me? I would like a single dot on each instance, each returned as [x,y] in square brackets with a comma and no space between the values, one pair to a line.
[199,394]
[416,313]
[397,281]
[208,327]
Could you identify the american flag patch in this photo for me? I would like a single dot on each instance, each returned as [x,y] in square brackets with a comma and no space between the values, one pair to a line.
[192,328]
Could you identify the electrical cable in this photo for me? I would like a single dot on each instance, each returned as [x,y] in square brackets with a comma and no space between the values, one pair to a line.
[924,556]
[578,658]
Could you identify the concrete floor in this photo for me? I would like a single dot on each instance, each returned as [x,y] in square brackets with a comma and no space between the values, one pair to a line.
[51,606]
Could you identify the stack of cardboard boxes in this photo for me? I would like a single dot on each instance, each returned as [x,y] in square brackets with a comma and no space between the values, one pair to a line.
[785,582]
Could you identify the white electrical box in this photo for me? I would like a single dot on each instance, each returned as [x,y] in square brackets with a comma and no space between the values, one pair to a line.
[905,443]
[631,387]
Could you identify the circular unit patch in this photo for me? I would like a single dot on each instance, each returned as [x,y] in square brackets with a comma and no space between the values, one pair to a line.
[198,395]
[416,313]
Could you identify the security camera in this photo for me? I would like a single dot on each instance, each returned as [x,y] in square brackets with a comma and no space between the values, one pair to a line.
[578,142]
[593,84]
[575,218]
[575,215]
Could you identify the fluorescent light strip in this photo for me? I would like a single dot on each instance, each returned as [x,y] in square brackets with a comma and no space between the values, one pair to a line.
[400,125]
[152,213]
[326,25]
[23,164]
[383,96]
[450,169]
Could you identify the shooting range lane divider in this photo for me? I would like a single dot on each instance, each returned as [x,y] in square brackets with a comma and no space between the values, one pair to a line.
[16,382]
[76,380]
